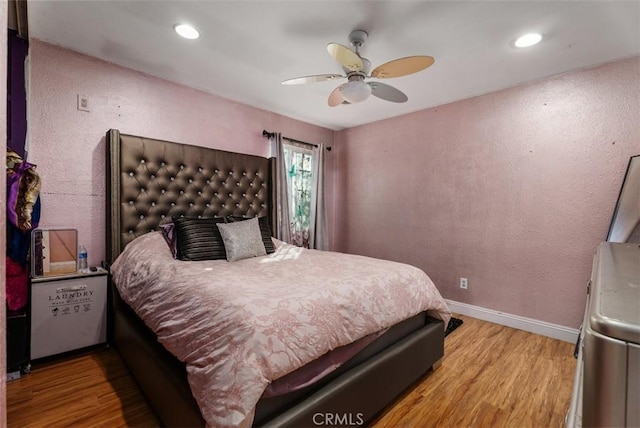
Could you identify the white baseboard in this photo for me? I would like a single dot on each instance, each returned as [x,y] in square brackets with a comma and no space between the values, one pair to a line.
[543,328]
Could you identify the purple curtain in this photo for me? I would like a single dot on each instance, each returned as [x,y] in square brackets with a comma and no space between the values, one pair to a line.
[16,94]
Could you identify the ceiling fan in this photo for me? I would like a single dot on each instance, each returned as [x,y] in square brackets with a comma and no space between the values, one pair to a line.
[357,70]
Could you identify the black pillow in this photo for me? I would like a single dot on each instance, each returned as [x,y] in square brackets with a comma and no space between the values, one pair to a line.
[265,231]
[199,238]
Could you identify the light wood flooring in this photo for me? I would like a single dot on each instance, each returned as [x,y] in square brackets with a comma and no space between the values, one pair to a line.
[491,376]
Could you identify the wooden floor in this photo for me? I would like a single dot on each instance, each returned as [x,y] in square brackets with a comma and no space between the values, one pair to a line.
[491,376]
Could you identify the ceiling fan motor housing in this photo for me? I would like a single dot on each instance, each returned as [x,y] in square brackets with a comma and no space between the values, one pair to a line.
[366,69]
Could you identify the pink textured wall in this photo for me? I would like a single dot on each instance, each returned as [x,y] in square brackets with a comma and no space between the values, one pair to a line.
[512,190]
[68,145]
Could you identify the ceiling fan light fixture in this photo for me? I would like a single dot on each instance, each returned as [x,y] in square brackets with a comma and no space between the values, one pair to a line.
[187,31]
[528,40]
[355,91]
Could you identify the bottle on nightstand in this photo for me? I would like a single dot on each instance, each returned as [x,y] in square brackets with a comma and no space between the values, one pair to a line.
[82,259]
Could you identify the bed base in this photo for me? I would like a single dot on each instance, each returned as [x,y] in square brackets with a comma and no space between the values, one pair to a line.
[360,393]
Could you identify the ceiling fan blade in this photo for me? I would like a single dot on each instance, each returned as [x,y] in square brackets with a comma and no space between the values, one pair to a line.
[388,93]
[345,56]
[336,97]
[402,67]
[311,79]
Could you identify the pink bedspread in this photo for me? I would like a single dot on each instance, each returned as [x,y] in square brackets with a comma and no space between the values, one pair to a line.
[240,325]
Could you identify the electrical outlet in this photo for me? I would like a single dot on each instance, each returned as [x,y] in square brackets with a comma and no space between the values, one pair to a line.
[83,103]
[464,283]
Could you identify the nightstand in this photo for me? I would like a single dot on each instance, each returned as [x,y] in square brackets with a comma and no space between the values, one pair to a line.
[68,312]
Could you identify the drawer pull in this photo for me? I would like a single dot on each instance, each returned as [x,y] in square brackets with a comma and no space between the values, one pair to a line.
[72,288]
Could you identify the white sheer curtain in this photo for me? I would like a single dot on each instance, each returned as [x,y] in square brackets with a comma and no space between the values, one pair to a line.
[283,220]
[318,234]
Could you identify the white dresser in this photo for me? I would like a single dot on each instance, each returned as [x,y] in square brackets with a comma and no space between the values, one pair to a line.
[606,389]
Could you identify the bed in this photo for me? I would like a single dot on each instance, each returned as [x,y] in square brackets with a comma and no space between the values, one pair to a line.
[150,181]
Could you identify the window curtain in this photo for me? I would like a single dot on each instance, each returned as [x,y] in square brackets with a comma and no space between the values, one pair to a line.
[300,197]
[318,234]
[283,220]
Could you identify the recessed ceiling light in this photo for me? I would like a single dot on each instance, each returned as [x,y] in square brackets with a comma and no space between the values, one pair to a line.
[528,40]
[186,31]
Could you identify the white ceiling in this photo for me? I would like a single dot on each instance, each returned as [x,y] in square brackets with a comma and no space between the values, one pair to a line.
[247,48]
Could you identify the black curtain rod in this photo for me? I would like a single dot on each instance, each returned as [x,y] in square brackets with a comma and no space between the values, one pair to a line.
[268,134]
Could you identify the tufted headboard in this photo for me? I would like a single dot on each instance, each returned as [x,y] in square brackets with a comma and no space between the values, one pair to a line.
[149,181]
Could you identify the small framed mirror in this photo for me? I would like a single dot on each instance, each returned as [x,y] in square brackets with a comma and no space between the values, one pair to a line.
[54,252]
[625,223]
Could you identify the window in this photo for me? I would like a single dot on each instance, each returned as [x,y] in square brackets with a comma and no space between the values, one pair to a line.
[301,213]
[299,164]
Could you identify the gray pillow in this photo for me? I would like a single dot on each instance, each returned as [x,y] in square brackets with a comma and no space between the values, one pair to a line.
[242,239]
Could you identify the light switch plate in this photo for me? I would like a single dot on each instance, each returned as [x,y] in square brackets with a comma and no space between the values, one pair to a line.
[83,103]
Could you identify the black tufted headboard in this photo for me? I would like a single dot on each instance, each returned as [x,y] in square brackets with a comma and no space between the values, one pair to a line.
[149,181]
